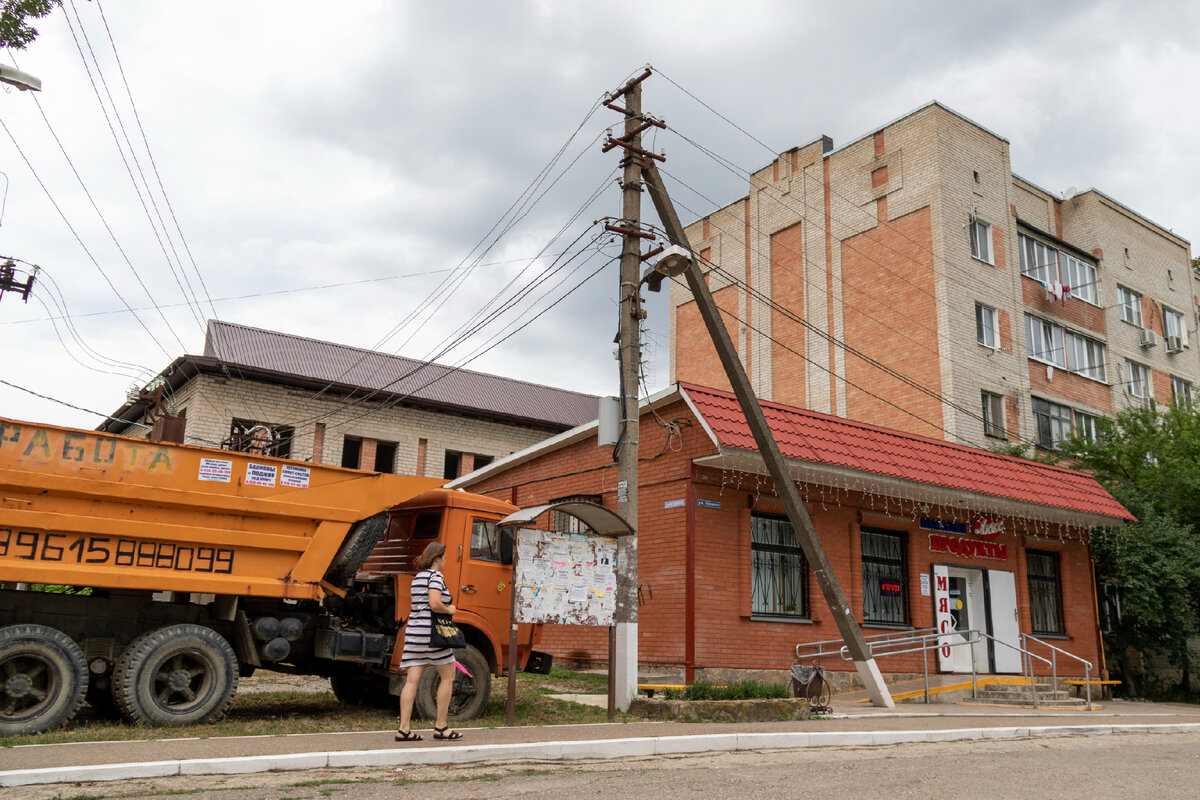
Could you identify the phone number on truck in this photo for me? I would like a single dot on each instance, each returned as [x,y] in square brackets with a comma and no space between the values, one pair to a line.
[110,551]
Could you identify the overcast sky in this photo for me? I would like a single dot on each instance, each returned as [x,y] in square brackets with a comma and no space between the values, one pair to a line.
[381,149]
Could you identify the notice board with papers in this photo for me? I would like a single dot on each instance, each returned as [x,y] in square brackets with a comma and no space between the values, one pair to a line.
[565,578]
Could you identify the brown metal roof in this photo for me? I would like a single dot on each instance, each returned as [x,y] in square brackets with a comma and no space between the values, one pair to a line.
[417,382]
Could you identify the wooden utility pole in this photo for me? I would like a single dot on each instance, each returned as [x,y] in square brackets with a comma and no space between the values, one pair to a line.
[785,486]
[623,649]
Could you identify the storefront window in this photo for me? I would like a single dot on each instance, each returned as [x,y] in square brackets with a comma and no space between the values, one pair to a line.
[778,571]
[885,584]
[1045,592]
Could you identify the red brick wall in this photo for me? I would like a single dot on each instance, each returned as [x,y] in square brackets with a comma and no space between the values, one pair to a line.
[886,270]
[695,356]
[1071,388]
[787,289]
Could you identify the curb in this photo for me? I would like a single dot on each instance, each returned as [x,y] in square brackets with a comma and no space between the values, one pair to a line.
[556,751]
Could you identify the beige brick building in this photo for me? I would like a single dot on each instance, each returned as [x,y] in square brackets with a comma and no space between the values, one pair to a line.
[327,403]
[906,271]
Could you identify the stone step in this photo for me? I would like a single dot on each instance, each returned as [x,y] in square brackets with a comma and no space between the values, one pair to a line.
[1043,702]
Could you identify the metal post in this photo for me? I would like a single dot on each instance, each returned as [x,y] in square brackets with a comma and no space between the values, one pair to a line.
[785,486]
[925,659]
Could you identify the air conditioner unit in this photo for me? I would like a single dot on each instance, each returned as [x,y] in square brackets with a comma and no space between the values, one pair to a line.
[1149,338]
[1174,344]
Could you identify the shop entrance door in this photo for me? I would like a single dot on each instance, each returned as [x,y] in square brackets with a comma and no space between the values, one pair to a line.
[960,606]
[1002,602]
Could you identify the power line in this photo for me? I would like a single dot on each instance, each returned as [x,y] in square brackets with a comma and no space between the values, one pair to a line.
[72,405]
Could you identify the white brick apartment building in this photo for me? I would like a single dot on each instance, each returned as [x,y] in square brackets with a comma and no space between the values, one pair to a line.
[924,256]
[328,403]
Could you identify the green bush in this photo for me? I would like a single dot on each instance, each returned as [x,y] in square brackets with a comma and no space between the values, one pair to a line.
[742,690]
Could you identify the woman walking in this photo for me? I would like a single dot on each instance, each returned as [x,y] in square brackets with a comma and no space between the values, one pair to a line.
[429,594]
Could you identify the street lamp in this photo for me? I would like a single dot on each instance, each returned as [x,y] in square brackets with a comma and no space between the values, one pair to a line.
[22,80]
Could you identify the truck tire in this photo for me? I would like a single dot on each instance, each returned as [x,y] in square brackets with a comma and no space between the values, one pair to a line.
[354,551]
[470,694]
[177,675]
[362,689]
[43,678]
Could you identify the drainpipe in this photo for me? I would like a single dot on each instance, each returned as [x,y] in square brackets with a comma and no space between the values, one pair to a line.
[689,614]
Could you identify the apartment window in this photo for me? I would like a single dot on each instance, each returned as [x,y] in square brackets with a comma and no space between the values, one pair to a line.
[485,540]
[981,240]
[993,415]
[1053,422]
[260,438]
[1085,356]
[1045,592]
[1174,329]
[1137,379]
[1085,425]
[884,577]
[1081,277]
[778,570]
[565,523]
[1055,345]
[987,328]
[1181,390]
[1130,303]
[1038,261]
[1045,341]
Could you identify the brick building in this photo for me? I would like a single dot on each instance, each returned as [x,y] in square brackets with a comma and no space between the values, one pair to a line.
[327,403]
[907,521]
[942,279]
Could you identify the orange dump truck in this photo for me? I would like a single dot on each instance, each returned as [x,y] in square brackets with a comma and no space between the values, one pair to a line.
[147,577]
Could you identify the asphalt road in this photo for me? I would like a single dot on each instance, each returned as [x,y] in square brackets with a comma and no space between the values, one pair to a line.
[1115,766]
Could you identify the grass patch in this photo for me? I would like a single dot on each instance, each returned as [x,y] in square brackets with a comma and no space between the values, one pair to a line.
[291,712]
[742,690]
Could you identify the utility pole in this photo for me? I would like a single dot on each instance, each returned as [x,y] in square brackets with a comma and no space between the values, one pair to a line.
[623,644]
[785,486]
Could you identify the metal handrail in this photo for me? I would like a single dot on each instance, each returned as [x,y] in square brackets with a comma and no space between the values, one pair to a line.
[925,639]
[1087,665]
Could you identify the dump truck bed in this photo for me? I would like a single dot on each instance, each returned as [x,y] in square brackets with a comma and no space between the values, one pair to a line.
[83,508]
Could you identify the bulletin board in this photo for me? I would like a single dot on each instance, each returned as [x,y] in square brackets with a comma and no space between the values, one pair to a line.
[566,578]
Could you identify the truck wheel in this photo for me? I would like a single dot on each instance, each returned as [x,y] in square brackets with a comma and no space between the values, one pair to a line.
[470,694]
[362,689]
[43,678]
[177,675]
[354,551]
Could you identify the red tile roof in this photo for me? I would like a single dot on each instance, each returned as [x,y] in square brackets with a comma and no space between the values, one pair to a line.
[824,439]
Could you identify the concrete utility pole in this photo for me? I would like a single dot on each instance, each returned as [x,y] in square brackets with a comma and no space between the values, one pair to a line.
[785,486]
[623,644]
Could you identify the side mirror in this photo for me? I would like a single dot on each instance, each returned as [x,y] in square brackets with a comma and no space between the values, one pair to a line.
[506,545]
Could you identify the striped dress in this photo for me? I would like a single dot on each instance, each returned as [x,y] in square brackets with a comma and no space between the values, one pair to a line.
[417,651]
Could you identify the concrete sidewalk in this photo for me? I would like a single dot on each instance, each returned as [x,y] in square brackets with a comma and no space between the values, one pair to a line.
[853,724]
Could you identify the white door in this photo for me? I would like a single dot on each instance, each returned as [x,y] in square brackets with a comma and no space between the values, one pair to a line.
[1002,594]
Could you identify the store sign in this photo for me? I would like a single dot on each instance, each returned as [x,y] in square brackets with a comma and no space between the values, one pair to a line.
[986,526]
[967,548]
[889,588]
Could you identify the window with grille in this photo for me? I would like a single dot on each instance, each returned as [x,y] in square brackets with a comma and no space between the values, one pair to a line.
[1045,592]
[778,570]
[565,523]
[885,579]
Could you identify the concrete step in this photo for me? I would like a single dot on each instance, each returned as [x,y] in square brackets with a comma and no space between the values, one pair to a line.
[1043,702]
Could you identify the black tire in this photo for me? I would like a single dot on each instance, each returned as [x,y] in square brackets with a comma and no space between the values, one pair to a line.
[354,551]
[362,689]
[43,678]
[177,675]
[470,694]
